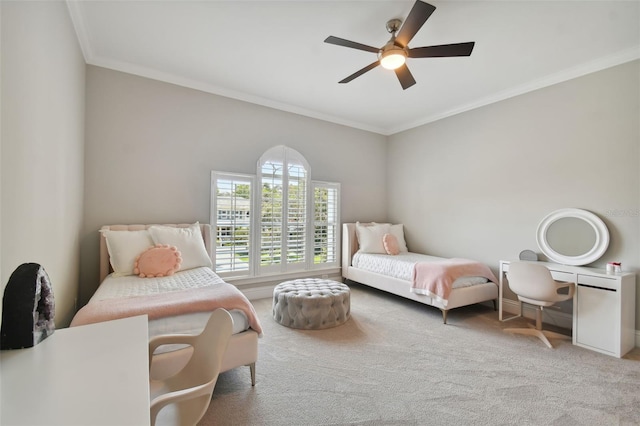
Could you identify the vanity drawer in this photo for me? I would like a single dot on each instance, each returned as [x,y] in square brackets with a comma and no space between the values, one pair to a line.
[566,277]
[599,282]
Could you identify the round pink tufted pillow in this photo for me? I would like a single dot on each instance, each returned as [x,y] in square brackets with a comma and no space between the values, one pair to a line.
[390,244]
[159,261]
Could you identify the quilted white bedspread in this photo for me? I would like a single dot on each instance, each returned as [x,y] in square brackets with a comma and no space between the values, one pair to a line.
[402,265]
[132,285]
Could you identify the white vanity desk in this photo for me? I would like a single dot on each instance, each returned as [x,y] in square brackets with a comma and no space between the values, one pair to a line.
[95,374]
[603,306]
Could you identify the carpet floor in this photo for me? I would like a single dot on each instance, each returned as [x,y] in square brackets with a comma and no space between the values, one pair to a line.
[395,363]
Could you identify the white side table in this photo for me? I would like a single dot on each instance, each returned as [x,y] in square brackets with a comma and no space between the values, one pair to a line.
[95,374]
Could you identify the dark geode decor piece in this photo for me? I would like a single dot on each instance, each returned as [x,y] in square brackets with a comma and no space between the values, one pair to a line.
[28,308]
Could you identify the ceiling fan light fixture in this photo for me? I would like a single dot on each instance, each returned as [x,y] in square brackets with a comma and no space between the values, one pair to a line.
[393,58]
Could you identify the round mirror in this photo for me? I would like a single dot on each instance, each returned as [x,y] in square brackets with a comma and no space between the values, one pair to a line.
[572,237]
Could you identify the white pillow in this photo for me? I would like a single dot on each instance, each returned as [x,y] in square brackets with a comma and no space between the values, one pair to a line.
[370,237]
[188,241]
[124,247]
[398,232]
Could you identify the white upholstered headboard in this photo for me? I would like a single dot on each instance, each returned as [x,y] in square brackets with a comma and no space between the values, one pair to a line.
[349,243]
[105,265]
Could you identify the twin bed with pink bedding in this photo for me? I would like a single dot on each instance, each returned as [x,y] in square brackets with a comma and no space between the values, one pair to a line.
[180,302]
[443,283]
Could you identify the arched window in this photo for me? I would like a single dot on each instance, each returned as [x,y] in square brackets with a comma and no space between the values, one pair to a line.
[276,222]
[284,180]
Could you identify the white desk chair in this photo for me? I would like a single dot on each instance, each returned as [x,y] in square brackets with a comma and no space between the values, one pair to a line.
[533,284]
[185,396]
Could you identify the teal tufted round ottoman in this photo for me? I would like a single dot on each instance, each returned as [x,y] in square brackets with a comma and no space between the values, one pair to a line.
[311,303]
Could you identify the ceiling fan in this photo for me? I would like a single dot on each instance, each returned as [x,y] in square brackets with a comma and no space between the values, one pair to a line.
[395,52]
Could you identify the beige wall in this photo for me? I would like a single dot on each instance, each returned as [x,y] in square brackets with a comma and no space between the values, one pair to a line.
[151,147]
[43,77]
[473,185]
[477,184]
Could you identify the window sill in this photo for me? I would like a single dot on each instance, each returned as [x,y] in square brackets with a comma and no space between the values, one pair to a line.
[334,273]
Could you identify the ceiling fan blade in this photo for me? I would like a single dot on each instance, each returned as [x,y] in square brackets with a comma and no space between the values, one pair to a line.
[359,73]
[352,44]
[419,14]
[444,50]
[405,77]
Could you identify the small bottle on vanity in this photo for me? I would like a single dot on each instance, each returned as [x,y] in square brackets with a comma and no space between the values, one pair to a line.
[614,268]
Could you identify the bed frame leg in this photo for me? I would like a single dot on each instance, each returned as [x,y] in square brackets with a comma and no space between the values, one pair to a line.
[444,315]
[252,368]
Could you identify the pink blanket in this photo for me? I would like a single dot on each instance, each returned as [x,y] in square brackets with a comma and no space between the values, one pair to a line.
[169,304]
[435,279]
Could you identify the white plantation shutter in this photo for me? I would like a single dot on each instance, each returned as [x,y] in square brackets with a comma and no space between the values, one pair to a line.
[284,203]
[326,223]
[271,213]
[231,222]
[296,241]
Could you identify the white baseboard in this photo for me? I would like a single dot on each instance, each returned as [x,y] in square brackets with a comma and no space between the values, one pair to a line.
[264,290]
[549,316]
[256,293]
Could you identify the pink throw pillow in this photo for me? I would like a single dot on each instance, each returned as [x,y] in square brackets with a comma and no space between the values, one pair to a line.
[390,244]
[159,261]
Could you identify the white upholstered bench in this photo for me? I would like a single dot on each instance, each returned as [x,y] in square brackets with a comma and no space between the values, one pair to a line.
[311,303]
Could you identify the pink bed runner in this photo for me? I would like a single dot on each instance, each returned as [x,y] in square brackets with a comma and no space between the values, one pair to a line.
[435,279]
[169,304]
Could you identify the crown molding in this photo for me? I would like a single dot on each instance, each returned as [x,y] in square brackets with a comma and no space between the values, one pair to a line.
[600,64]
